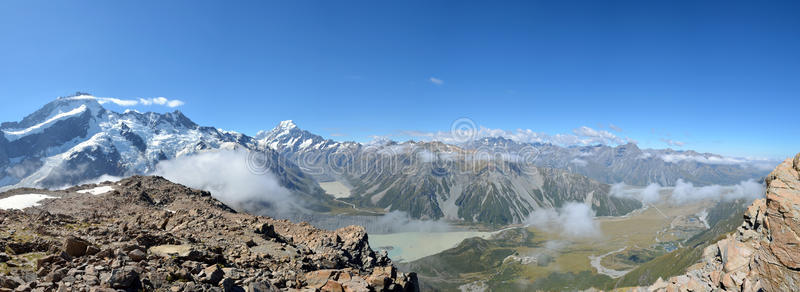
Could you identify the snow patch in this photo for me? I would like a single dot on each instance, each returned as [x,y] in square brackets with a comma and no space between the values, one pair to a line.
[97,190]
[23,201]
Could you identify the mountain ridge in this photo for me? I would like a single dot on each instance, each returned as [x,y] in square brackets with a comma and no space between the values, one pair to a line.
[494,180]
[93,142]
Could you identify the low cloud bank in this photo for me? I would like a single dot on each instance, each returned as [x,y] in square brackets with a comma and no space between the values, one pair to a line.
[686,192]
[226,176]
[758,163]
[398,221]
[647,195]
[573,219]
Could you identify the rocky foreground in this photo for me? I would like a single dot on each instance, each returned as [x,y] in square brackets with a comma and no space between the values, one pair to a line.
[146,233]
[763,254]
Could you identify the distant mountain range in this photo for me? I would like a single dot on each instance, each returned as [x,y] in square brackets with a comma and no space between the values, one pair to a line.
[631,165]
[491,180]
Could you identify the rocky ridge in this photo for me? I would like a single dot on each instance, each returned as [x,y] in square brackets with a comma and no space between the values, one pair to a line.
[146,233]
[762,254]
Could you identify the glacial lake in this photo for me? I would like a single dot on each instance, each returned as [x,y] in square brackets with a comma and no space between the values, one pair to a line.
[410,246]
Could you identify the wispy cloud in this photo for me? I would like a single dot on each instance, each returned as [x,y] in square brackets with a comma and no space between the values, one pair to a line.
[580,136]
[436,81]
[573,219]
[599,135]
[615,128]
[671,142]
[163,101]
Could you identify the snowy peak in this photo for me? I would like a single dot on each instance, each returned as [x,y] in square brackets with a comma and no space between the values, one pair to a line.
[287,125]
[76,132]
[59,108]
[288,137]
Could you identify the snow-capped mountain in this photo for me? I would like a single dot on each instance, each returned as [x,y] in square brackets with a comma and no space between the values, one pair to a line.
[314,154]
[629,164]
[74,139]
[435,180]
[493,180]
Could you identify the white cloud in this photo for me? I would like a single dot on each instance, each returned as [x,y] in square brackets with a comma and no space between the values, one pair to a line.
[134,102]
[161,101]
[647,195]
[436,81]
[604,137]
[672,142]
[710,159]
[226,175]
[579,162]
[650,194]
[686,192]
[580,136]
[614,127]
[573,220]
[398,221]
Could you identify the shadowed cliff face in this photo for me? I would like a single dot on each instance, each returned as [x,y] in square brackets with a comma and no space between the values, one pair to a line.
[762,254]
[147,233]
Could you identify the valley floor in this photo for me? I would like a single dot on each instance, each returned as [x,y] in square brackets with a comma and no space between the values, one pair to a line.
[544,258]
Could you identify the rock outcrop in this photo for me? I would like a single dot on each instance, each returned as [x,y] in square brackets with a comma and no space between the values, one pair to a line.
[153,235]
[763,254]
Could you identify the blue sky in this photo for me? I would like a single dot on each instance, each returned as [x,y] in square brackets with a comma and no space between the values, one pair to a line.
[719,76]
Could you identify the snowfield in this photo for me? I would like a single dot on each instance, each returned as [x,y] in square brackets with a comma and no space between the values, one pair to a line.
[22,201]
[14,135]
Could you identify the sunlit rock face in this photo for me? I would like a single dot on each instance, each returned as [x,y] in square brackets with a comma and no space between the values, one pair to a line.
[763,252]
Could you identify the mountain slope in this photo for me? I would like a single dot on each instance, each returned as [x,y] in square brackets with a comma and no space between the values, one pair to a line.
[149,234]
[761,255]
[433,180]
[74,139]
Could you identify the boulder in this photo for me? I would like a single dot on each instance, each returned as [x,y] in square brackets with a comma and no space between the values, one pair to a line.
[332,286]
[317,279]
[75,246]
[211,275]
[125,277]
[137,255]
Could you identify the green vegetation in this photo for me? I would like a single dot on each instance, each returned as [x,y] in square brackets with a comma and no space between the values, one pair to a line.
[550,261]
[473,259]
[631,258]
[555,281]
[725,217]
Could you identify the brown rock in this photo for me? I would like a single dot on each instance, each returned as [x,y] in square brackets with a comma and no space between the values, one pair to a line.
[211,274]
[75,246]
[137,255]
[262,287]
[378,282]
[317,279]
[92,250]
[356,284]
[332,286]
[125,277]
[736,256]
